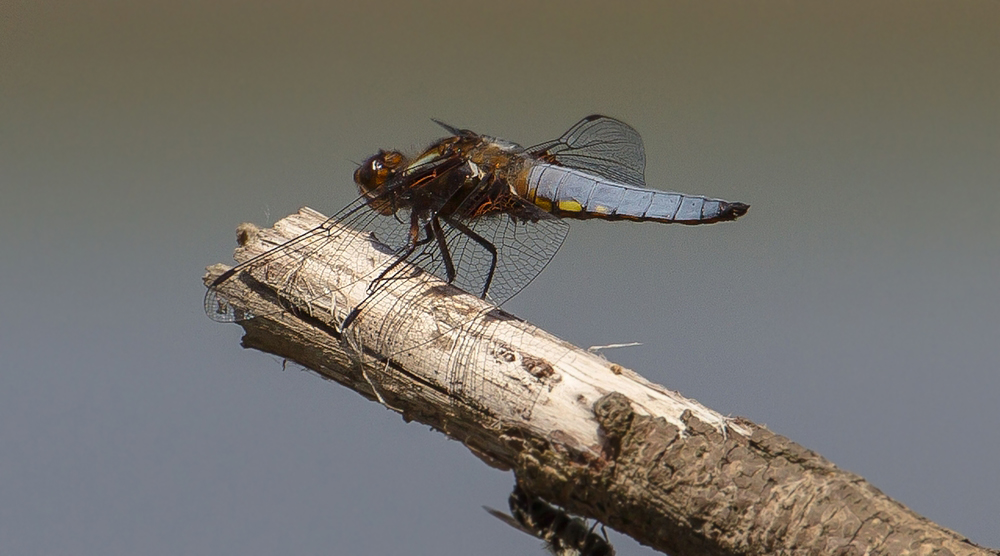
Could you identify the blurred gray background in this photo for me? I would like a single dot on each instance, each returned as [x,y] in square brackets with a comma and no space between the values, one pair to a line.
[855,309]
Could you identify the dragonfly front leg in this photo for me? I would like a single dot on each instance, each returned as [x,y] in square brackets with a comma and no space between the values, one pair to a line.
[415,242]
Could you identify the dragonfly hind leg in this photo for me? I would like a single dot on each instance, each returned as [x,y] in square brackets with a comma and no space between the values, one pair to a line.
[486,244]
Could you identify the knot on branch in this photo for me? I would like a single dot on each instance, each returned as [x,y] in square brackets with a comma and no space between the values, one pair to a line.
[614,413]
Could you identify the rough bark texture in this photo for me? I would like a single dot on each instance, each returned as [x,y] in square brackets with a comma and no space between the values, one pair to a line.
[698,491]
[583,433]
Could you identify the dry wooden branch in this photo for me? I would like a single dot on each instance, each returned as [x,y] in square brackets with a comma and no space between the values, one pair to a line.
[583,433]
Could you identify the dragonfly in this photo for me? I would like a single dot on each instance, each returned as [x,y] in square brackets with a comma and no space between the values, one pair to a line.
[481,213]
[564,535]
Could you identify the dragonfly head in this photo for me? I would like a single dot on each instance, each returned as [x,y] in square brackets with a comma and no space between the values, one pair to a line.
[374,173]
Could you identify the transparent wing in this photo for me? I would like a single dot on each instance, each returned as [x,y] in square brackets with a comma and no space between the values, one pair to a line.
[508,519]
[604,146]
[523,237]
[516,244]
[523,248]
[325,244]
[284,265]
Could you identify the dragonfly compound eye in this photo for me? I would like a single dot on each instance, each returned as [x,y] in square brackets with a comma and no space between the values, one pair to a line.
[377,170]
[367,175]
[374,175]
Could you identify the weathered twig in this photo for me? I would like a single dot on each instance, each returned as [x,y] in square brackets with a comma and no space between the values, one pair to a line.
[579,431]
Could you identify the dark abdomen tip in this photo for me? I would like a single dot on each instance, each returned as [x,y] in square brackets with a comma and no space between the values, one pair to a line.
[732,211]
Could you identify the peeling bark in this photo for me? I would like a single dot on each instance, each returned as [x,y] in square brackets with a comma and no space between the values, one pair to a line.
[583,433]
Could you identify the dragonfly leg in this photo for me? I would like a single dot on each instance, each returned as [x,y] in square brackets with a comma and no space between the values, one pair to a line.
[414,244]
[349,319]
[401,258]
[486,244]
[449,264]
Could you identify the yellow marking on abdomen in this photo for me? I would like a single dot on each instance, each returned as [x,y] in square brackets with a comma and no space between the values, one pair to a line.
[570,206]
[544,204]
